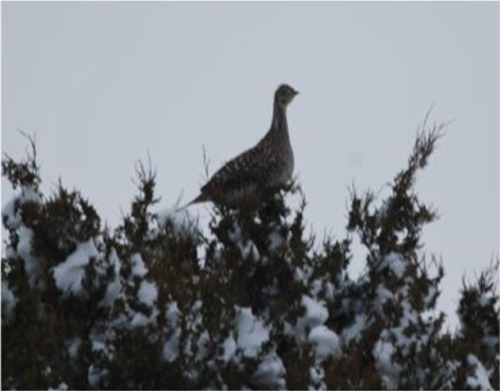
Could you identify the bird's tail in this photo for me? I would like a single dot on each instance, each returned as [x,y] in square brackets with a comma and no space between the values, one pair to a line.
[200,198]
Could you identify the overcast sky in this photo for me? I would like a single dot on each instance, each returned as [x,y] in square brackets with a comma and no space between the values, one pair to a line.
[103,83]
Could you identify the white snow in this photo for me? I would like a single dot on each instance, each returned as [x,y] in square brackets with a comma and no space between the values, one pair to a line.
[61,387]
[8,300]
[316,311]
[316,286]
[10,216]
[409,317]
[202,343]
[251,332]
[270,373]
[114,289]
[30,193]
[24,249]
[73,345]
[148,293]
[228,348]
[100,343]
[10,211]
[95,374]
[276,240]
[431,295]
[98,346]
[68,275]
[354,331]
[382,211]
[138,267]
[303,274]
[485,300]
[383,295]
[24,244]
[171,347]
[139,320]
[173,313]
[249,250]
[317,376]
[324,341]
[491,342]
[329,290]
[389,371]
[394,262]
[235,234]
[316,314]
[179,218]
[480,377]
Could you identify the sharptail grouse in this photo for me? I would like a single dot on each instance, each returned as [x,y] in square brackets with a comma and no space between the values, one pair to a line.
[266,165]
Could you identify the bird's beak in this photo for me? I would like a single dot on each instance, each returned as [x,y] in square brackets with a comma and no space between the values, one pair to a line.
[296,92]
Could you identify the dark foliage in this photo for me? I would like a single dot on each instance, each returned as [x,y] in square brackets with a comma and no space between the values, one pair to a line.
[158,304]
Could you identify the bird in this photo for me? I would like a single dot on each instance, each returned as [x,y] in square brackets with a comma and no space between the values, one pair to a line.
[266,165]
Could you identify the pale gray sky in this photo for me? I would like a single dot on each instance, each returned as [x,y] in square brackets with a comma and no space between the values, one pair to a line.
[102,83]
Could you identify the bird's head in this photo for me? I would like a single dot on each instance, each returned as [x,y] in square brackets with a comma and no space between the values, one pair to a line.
[284,95]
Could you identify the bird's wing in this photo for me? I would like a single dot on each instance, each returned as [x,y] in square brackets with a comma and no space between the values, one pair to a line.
[237,172]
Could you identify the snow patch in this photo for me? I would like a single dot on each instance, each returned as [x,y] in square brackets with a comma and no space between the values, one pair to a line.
[10,211]
[431,295]
[276,240]
[395,262]
[138,267]
[68,275]
[249,250]
[148,293]
[11,218]
[317,376]
[270,373]
[303,274]
[180,219]
[316,314]
[485,300]
[389,370]
[171,347]
[114,289]
[8,300]
[24,250]
[61,387]
[329,290]
[251,332]
[354,331]
[141,320]
[228,348]
[325,342]
[480,376]
[95,375]
[73,346]
[383,295]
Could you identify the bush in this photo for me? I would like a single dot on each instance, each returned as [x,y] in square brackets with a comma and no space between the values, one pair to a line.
[254,303]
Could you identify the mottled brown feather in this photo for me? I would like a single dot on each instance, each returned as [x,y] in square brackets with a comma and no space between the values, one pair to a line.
[269,163]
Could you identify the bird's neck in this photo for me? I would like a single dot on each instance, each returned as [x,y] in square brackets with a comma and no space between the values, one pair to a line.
[279,123]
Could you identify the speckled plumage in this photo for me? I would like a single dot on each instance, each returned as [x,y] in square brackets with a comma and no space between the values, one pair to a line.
[268,164]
